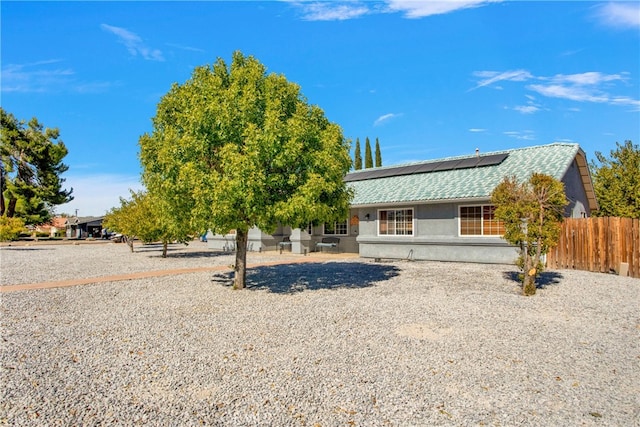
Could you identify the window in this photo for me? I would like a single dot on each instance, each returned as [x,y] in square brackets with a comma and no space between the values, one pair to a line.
[336,228]
[480,221]
[396,222]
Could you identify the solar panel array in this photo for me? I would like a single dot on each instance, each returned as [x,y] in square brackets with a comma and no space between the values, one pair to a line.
[438,166]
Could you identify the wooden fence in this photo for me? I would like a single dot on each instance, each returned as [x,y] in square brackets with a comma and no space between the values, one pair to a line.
[598,244]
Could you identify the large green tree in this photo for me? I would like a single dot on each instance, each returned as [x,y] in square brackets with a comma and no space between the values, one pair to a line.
[357,161]
[532,213]
[616,181]
[30,178]
[368,159]
[234,148]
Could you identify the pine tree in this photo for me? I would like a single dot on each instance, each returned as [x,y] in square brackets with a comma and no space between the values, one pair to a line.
[378,154]
[357,162]
[368,160]
[30,174]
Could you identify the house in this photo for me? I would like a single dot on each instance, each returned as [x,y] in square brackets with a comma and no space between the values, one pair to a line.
[437,210]
[83,227]
[55,225]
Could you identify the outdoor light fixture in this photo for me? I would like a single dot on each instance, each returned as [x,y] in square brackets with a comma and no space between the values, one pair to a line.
[367,216]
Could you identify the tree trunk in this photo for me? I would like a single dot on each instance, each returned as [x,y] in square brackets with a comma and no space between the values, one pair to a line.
[165,244]
[11,209]
[529,283]
[240,269]
[129,241]
[529,277]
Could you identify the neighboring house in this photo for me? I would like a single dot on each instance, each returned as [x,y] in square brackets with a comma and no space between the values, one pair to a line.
[437,210]
[56,224]
[83,227]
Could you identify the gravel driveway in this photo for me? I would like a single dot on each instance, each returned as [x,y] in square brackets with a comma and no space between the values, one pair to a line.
[335,342]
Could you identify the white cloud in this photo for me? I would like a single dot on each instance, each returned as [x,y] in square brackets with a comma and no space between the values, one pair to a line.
[331,11]
[526,135]
[591,86]
[421,9]
[183,47]
[94,195]
[477,130]
[343,10]
[47,76]
[134,43]
[588,78]
[491,77]
[526,109]
[385,118]
[620,14]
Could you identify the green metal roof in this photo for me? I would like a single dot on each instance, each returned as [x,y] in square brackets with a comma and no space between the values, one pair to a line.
[469,183]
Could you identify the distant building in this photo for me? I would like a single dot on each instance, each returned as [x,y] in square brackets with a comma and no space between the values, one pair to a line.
[83,227]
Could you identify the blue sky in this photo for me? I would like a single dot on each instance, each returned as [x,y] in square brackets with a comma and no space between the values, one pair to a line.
[429,79]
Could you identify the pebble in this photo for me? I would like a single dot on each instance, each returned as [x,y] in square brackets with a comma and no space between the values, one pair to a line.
[330,343]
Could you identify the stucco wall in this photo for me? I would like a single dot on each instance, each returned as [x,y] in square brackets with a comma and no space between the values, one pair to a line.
[578,204]
[436,237]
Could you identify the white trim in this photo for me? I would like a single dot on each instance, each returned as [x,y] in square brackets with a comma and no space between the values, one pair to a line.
[414,203]
[397,208]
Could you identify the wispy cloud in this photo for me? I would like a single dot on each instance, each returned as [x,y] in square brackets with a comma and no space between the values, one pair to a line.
[488,78]
[584,87]
[525,135]
[385,118]
[134,43]
[477,130]
[622,15]
[47,76]
[420,9]
[412,9]
[331,11]
[590,86]
[183,47]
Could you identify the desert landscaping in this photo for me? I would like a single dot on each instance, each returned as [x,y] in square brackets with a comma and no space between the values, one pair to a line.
[320,340]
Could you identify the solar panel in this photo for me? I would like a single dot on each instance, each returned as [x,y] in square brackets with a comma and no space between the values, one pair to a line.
[444,165]
[493,159]
[470,162]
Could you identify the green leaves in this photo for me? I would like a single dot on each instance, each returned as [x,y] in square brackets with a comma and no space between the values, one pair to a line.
[234,147]
[31,183]
[532,212]
[616,181]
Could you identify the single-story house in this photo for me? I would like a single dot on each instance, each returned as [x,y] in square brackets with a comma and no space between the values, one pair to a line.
[83,227]
[435,210]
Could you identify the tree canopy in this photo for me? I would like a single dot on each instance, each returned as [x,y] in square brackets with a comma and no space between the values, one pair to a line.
[235,148]
[616,181]
[148,219]
[532,213]
[30,178]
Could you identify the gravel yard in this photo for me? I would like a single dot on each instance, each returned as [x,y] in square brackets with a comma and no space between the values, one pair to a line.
[333,342]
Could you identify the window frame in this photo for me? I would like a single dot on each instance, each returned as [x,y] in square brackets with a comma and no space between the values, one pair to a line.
[395,225]
[335,228]
[491,223]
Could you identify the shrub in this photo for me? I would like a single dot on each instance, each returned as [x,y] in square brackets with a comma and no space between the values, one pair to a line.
[10,228]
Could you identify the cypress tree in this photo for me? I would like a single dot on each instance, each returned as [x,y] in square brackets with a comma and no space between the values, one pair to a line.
[368,160]
[357,157]
[378,154]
